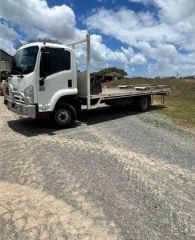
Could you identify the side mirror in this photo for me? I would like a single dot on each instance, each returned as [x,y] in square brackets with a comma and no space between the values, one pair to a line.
[45,65]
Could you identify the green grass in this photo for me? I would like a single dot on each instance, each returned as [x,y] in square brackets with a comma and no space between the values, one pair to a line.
[180,106]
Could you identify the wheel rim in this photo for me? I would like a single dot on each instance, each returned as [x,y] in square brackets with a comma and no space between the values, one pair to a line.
[62,116]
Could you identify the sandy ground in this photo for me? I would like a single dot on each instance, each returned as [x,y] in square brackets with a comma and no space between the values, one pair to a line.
[116,174]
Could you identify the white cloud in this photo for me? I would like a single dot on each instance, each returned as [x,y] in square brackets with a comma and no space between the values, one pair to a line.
[165,39]
[160,69]
[6,38]
[102,56]
[8,32]
[130,27]
[37,19]
[141,1]
[168,59]
[139,59]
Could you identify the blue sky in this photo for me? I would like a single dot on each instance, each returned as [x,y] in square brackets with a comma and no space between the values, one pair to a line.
[144,37]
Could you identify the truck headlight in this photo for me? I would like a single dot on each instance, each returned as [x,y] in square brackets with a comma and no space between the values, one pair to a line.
[29,95]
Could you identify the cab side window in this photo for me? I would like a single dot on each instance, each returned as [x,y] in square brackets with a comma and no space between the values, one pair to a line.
[54,60]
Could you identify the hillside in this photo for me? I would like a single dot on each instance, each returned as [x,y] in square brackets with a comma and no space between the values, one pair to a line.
[180,106]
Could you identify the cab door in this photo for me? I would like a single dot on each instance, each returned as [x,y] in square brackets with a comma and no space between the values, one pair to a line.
[55,74]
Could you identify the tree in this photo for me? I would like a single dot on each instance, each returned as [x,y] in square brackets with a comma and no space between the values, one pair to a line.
[112,70]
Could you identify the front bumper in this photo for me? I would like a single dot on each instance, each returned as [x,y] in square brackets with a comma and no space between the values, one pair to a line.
[21,109]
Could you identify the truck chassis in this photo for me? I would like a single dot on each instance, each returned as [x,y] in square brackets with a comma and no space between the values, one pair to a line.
[126,94]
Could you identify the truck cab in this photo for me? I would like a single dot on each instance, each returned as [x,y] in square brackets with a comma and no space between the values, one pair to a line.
[42,75]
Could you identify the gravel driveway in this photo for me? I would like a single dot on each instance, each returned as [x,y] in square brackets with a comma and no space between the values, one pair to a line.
[116,174]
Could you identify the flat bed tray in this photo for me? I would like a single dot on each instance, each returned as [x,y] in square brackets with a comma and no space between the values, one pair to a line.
[128,92]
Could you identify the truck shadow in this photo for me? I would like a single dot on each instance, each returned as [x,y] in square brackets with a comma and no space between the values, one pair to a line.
[33,127]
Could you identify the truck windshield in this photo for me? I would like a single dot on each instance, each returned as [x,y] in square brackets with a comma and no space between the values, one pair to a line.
[24,60]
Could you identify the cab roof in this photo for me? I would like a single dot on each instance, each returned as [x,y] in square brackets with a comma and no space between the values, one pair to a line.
[45,44]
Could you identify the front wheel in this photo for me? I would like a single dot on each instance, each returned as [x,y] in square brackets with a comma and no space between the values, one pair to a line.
[63,116]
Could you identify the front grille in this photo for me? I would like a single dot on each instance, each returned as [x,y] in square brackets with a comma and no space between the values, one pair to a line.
[18,98]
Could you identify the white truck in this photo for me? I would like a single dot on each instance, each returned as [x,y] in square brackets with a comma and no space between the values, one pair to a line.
[44,80]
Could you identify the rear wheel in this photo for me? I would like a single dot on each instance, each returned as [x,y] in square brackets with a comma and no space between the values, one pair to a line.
[143,103]
[63,116]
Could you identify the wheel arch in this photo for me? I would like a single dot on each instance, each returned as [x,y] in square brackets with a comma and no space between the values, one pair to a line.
[71,100]
[63,93]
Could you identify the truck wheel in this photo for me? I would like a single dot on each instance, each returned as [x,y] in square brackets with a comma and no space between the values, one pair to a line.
[143,103]
[63,116]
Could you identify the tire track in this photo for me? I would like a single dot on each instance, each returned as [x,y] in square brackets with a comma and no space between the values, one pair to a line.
[161,178]
[170,184]
[42,216]
[168,178]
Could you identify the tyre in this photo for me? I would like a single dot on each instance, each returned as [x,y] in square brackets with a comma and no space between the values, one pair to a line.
[143,103]
[63,116]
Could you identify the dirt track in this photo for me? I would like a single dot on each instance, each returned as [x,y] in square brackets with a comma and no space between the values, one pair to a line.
[114,175]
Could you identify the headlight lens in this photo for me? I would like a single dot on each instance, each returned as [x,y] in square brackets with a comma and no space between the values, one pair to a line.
[29,96]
